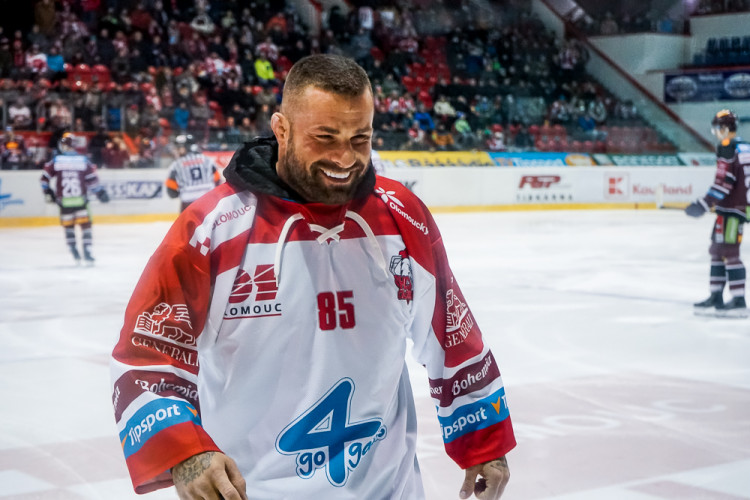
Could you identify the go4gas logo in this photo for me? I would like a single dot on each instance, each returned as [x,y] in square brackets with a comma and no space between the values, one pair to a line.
[324,436]
[153,418]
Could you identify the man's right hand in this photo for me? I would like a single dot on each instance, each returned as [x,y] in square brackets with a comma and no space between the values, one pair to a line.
[209,476]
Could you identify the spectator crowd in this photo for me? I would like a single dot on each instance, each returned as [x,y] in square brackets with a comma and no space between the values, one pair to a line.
[446,75]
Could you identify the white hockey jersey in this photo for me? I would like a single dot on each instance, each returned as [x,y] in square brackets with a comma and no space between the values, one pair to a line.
[191,176]
[275,331]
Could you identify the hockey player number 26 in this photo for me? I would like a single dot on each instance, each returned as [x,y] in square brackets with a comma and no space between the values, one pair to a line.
[336,310]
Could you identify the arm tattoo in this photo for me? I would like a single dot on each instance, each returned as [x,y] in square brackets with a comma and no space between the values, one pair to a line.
[500,464]
[192,468]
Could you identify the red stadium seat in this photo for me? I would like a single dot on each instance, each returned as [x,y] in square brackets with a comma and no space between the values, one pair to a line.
[444,71]
[425,98]
[421,83]
[559,131]
[80,73]
[101,73]
[284,64]
[409,83]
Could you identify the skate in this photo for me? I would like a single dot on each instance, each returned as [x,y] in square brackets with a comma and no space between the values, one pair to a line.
[88,258]
[76,255]
[715,300]
[709,306]
[735,308]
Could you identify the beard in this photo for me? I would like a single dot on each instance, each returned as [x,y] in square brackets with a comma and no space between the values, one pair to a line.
[312,184]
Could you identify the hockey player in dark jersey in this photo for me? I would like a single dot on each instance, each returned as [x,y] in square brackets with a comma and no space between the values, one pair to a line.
[192,174]
[75,176]
[728,196]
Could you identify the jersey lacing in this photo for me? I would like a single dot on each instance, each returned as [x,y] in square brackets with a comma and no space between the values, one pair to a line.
[326,234]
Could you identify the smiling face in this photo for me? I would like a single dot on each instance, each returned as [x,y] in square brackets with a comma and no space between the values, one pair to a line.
[325,141]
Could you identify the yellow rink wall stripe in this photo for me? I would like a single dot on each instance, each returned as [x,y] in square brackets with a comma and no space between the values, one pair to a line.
[169,217]
[101,219]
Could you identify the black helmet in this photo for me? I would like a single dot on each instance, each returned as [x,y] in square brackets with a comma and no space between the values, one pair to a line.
[725,118]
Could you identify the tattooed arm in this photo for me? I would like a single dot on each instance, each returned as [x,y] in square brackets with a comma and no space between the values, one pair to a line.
[494,476]
[210,476]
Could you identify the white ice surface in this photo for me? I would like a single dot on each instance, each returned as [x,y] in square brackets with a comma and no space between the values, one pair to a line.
[617,391]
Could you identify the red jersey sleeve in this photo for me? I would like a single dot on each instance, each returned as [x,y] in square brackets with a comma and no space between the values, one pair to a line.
[464,378]
[155,362]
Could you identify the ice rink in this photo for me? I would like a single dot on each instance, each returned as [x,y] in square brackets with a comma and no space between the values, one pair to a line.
[617,391]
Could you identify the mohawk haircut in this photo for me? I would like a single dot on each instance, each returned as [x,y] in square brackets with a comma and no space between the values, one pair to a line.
[330,73]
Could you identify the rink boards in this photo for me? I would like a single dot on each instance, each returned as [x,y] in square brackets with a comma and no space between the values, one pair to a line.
[140,195]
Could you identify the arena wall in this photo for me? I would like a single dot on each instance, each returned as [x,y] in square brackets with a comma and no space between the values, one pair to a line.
[139,195]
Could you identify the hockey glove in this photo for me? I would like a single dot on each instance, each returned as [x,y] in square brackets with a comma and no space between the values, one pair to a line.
[49,196]
[102,195]
[696,208]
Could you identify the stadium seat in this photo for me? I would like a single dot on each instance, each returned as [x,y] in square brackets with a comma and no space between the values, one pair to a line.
[101,73]
[421,83]
[409,83]
[284,64]
[426,99]
[444,71]
[80,73]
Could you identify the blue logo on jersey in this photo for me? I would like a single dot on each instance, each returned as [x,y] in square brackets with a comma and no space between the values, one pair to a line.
[323,436]
[155,416]
[473,417]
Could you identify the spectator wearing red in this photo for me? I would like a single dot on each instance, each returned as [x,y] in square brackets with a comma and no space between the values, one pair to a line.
[140,18]
[36,62]
[277,24]
[267,50]
[115,154]
[417,138]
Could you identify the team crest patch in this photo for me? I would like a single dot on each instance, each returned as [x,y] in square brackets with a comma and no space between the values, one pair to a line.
[401,269]
[458,318]
[163,322]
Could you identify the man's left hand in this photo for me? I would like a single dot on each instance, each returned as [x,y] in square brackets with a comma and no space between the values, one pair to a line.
[494,475]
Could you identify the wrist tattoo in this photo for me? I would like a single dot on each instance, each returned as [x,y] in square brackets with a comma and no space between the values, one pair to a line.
[187,471]
[500,463]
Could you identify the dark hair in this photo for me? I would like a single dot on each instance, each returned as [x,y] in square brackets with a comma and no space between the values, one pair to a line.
[331,73]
